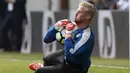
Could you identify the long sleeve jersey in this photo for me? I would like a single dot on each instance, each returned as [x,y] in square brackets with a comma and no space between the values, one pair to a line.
[77,50]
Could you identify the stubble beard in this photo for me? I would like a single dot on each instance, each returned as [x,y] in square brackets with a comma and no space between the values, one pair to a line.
[78,21]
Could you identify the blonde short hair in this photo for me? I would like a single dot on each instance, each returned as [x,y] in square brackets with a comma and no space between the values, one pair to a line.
[89,8]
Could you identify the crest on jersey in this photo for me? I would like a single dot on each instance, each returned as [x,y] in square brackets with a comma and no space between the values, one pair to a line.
[78,35]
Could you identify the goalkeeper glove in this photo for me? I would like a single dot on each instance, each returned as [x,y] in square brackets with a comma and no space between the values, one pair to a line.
[69,29]
[60,25]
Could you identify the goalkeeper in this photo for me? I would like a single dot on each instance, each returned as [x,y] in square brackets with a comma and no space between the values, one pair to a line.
[75,57]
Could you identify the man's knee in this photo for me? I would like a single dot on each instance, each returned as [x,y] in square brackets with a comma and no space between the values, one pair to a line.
[47,61]
[49,57]
[46,58]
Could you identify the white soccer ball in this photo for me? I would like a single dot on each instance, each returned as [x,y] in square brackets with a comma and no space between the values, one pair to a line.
[60,36]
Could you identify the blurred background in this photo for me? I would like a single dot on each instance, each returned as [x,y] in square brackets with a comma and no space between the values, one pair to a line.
[24,22]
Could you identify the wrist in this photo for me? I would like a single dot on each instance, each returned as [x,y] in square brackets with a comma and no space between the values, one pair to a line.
[68,34]
[58,28]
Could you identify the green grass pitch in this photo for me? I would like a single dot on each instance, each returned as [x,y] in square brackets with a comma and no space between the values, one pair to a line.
[18,63]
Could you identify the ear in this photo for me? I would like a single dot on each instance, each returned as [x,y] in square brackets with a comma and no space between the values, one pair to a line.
[88,17]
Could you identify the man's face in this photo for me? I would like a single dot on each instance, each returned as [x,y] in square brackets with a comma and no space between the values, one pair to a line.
[80,15]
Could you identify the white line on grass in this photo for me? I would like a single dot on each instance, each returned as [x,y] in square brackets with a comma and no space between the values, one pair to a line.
[16,60]
[107,66]
[104,66]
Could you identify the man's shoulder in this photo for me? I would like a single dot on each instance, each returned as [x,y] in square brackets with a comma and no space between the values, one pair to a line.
[88,33]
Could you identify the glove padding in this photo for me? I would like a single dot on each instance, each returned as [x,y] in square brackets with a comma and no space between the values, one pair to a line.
[60,25]
[69,29]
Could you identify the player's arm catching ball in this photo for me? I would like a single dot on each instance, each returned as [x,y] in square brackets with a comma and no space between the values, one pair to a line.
[50,36]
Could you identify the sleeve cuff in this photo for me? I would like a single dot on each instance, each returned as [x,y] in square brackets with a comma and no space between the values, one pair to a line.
[68,39]
[53,28]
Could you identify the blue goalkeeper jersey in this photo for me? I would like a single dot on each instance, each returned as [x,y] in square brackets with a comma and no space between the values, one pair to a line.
[50,35]
[77,50]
